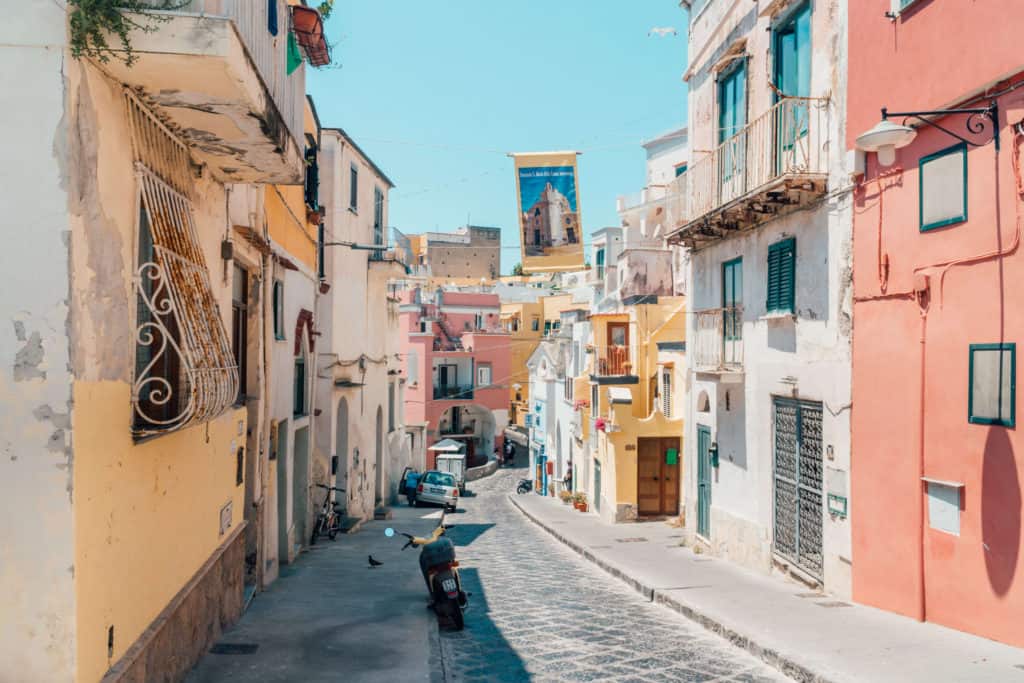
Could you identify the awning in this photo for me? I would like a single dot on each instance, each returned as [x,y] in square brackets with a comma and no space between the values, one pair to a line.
[309,30]
[620,395]
[447,446]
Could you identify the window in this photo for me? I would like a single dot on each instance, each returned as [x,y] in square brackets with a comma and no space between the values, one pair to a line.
[535,324]
[680,170]
[567,389]
[547,327]
[321,266]
[278,293]
[479,321]
[240,326]
[992,396]
[732,115]
[594,405]
[299,399]
[599,259]
[483,375]
[943,188]
[378,218]
[666,393]
[353,188]
[312,186]
[732,299]
[391,407]
[781,276]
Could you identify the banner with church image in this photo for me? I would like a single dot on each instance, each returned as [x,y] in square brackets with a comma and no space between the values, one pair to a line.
[550,230]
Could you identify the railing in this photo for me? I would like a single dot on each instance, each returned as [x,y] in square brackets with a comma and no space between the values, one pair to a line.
[268,52]
[453,391]
[719,339]
[615,362]
[788,139]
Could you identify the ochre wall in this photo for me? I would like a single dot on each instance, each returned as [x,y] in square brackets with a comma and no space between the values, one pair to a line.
[286,218]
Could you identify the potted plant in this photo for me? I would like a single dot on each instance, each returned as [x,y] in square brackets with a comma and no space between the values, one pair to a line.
[580,502]
[551,489]
[566,496]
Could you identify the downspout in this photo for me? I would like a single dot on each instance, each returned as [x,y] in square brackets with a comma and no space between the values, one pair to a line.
[922,593]
[265,387]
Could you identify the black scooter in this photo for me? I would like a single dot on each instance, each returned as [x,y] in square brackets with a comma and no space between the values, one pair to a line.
[525,486]
[441,573]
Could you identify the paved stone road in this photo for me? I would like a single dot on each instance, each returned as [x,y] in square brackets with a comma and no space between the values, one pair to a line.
[539,612]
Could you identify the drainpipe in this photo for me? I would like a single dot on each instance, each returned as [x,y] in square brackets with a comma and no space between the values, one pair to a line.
[922,594]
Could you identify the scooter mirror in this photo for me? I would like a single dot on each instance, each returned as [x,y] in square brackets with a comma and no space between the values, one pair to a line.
[389,532]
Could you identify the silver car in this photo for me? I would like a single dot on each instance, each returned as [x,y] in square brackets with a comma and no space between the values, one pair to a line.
[438,487]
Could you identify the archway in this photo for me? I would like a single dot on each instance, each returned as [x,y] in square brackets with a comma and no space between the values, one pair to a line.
[378,488]
[475,426]
[341,452]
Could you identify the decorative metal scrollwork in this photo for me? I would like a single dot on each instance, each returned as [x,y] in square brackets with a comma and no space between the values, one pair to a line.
[153,394]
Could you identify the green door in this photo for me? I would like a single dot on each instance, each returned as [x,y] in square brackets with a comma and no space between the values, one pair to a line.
[704,481]
[597,486]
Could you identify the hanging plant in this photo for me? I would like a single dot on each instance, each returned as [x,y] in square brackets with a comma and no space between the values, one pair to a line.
[92,21]
[325,8]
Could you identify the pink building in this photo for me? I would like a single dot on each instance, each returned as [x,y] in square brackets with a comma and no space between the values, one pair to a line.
[457,361]
[938,463]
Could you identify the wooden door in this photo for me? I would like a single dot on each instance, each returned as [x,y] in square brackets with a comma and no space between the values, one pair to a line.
[657,480]
[648,476]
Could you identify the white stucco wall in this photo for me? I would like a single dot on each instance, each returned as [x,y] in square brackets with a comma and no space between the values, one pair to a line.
[37,622]
[807,356]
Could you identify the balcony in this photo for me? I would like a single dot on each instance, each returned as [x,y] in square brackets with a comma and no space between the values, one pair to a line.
[614,366]
[777,163]
[719,347]
[453,392]
[219,76]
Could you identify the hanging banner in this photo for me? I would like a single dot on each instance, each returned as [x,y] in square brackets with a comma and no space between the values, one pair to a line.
[550,229]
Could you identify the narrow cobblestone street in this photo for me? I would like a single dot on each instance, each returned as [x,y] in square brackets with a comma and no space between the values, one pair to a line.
[541,613]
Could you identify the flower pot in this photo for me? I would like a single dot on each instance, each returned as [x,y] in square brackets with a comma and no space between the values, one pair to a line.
[582,507]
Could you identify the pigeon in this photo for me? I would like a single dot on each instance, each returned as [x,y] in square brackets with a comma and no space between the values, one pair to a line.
[373,563]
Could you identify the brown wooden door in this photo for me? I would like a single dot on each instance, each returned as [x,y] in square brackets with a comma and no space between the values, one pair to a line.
[657,481]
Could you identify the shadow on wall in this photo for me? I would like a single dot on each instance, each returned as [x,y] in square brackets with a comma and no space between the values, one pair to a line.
[1000,510]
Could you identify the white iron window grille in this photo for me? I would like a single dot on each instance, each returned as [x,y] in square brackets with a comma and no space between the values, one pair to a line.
[185,372]
[666,393]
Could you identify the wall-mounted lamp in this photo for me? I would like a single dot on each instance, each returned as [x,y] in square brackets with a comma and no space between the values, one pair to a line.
[886,137]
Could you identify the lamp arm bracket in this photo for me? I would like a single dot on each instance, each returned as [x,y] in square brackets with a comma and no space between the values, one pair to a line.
[975,122]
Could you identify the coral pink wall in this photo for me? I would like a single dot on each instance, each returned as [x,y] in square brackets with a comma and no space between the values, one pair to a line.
[974,581]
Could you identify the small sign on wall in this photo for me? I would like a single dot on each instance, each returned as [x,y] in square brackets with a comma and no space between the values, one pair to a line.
[672,456]
[226,515]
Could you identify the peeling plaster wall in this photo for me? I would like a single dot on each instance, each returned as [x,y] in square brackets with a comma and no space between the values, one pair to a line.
[37,628]
[808,357]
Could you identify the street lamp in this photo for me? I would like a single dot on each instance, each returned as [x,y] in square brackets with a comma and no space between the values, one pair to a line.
[886,137]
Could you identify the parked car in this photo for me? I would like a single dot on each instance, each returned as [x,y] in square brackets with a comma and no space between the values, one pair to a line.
[455,465]
[438,487]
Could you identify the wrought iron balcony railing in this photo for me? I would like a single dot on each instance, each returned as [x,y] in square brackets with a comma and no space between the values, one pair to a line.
[458,392]
[777,161]
[614,362]
[719,346]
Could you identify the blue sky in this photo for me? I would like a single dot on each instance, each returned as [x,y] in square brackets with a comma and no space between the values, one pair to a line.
[437,93]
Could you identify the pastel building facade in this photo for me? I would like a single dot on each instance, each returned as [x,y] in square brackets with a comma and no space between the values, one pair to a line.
[457,365]
[938,465]
[765,221]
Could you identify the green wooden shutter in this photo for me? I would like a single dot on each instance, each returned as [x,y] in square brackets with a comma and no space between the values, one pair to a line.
[782,277]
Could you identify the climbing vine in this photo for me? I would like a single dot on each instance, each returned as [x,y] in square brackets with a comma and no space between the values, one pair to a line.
[325,9]
[93,21]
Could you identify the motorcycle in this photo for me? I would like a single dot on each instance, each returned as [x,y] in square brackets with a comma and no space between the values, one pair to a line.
[441,572]
[525,486]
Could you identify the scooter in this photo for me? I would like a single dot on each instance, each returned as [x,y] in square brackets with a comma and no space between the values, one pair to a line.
[441,573]
[525,486]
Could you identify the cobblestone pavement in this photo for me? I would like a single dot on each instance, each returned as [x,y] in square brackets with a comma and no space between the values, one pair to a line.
[539,612]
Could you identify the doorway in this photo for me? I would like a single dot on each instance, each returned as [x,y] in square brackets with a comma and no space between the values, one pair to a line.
[657,476]
[341,453]
[300,494]
[378,487]
[597,485]
[797,483]
[704,481]
[282,491]
[618,348]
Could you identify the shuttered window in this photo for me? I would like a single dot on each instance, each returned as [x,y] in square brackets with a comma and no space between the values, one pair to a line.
[943,187]
[781,276]
[992,397]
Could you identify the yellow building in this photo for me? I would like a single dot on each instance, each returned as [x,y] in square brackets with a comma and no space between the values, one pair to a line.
[137,347]
[635,410]
[524,322]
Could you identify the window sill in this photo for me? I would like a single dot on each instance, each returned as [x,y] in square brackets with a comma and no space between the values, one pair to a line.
[778,315]
[280,338]
[354,210]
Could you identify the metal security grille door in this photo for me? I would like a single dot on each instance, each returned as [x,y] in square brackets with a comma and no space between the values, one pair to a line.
[798,483]
[704,481]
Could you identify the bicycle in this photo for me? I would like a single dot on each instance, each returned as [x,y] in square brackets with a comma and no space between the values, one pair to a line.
[328,520]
